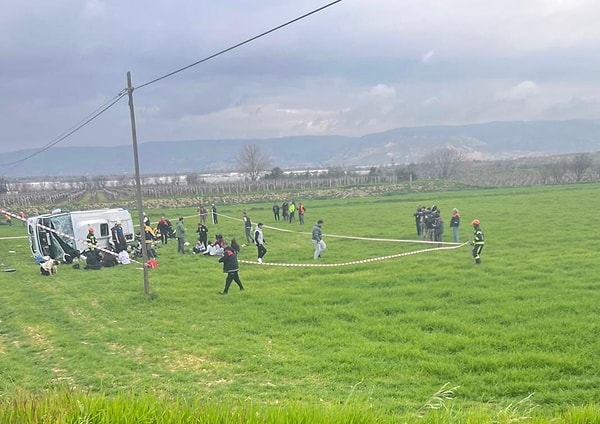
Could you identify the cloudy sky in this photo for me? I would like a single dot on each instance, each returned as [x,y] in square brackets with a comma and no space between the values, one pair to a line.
[357,67]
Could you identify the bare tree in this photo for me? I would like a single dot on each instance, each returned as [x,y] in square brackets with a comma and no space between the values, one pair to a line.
[444,161]
[580,164]
[558,170]
[252,161]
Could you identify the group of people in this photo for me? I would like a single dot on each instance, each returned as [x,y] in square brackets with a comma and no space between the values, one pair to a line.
[203,214]
[430,226]
[115,254]
[429,223]
[288,212]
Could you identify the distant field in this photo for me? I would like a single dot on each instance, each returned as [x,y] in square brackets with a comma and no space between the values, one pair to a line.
[381,336]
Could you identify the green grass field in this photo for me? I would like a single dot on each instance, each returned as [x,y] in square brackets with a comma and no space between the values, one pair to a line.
[513,337]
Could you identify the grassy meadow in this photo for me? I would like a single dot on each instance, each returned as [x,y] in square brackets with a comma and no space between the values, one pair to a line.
[428,334]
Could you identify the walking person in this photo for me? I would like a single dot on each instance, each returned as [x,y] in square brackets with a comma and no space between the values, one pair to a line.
[230,267]
[317,239]
[260,242]
[454,224]
[248,228]
[180,234]
[478,241]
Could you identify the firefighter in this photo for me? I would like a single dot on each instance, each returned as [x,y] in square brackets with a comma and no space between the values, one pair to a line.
[478,241]
[91,240]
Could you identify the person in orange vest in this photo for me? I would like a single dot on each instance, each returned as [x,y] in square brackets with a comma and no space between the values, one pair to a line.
[301,210]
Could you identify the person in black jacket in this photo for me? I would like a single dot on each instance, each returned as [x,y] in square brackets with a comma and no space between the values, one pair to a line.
[230,267]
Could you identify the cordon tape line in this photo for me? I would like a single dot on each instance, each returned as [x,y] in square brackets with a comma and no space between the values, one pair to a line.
[358,262]
[356,237]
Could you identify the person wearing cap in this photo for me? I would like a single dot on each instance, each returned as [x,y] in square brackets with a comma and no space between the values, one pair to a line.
[478,241]
[317,239]
[260,242]
[118,237]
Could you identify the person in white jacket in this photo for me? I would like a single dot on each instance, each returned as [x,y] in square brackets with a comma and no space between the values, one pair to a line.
[260,242]
[317,239]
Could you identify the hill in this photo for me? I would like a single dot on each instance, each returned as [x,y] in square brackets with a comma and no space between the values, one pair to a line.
[494,140]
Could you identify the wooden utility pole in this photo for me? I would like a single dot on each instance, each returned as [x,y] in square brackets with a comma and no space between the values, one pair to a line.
[138,187]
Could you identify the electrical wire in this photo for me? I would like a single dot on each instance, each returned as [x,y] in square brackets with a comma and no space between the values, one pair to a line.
[249,40]
[85,121]
[123,92]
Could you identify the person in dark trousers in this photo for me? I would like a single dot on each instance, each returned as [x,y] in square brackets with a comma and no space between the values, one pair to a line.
[118,237]
[260,242]
[230,267]
[165,228]
[454,224]
[478,241]
[248,228]
[276,212]
[92,244]
[202,231]
[215,215]
[180,234]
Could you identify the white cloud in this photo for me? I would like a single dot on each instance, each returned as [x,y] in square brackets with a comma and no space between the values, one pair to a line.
[428,57]
[516,59]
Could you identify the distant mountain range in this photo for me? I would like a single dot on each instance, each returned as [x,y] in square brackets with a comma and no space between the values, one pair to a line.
[494,140]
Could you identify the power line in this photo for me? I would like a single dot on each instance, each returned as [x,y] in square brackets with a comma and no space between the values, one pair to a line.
[249,40]
[73,129]
[115,99]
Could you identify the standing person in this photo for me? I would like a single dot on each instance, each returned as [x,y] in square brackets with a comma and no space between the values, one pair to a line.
[118,237]
[146,220]
[91,239]
[478,241]
[180,234]
[164,227]
[230,267]
[149,236]
[301,210]
[317,239]
[248,228]
[438,229]
[454,224]
[23,218]
[292,212]
[419,220]
[202,233]
[203,212]
[276,212]
[285,210]
[215,217]
[92,245]
[260,242]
